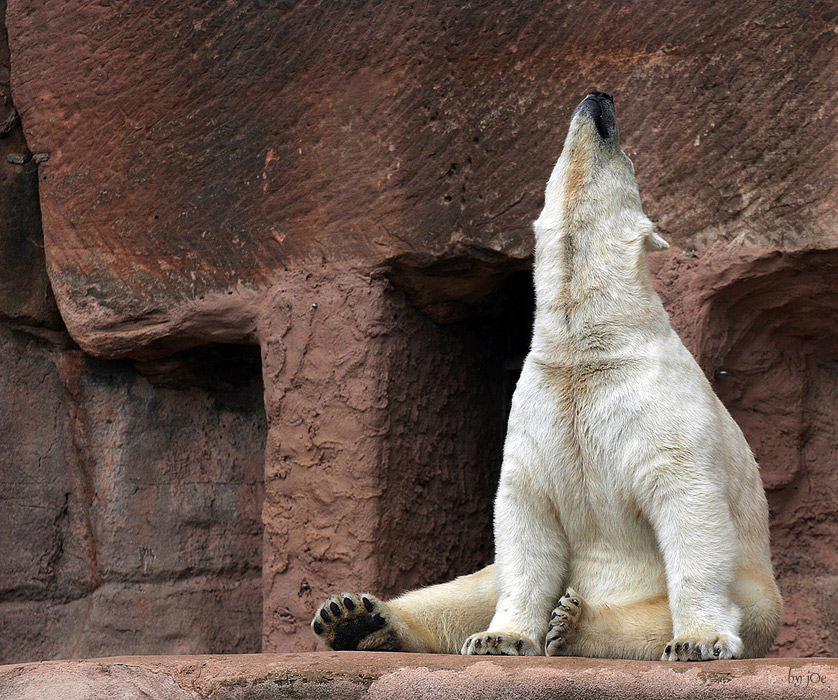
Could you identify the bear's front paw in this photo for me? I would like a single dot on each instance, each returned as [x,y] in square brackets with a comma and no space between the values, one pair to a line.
[563,623]
[703,648]
[355,621]
[500,644]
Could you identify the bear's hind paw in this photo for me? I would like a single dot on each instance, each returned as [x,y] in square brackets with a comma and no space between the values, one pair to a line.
[355,621]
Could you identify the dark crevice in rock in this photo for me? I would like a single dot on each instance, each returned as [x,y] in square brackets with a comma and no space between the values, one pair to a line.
[461,397]
[229,372]
[461,284]
[25,291]
[50,569]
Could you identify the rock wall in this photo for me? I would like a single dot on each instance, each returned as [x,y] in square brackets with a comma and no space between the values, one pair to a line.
[130,512]
[349,187]
[203,149]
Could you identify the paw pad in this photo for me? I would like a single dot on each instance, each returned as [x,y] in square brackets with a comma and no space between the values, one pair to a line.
[351,622]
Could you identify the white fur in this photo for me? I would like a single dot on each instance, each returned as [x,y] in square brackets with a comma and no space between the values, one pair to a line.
[623,476]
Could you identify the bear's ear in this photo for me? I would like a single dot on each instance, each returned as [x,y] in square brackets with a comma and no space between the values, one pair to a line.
[652,240]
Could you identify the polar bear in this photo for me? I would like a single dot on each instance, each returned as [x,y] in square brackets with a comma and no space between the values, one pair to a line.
[630,518]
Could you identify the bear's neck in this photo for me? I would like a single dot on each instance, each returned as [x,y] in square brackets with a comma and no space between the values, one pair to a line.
[594,293]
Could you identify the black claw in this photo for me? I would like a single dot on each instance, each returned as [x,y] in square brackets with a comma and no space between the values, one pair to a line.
[335,609]
[367,604]
[717,651]
[686,646]
[318,628]
[520,644]
[350,605]
[575,602]
[325,615]
[668,649]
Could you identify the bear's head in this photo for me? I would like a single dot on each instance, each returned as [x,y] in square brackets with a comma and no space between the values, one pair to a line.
[592,187]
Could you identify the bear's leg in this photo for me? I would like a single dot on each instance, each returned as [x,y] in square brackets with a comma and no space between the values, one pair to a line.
[686,504]
[531,561]
[643,630]
[436,619]
[757,595]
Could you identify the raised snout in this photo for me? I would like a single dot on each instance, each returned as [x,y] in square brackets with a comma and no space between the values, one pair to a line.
[599,106]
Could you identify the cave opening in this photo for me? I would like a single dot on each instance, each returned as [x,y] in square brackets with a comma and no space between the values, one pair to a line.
[447,434]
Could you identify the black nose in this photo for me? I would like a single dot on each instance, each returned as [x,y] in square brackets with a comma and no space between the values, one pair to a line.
[597,95]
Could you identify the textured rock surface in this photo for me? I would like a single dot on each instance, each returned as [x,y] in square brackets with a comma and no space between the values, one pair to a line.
[130,513]
[197,149]
[25,292]
[385,438]
[214,170]
[381,676]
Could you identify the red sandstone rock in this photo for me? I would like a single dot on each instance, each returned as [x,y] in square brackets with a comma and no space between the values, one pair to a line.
[25,292]
[384,449]
[198,150]
[129,512]
[382,676]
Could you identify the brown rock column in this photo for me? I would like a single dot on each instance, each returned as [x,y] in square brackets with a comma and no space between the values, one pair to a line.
[324,399]
[372,462]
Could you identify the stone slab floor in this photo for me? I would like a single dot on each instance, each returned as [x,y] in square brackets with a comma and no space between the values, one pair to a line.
[380,676]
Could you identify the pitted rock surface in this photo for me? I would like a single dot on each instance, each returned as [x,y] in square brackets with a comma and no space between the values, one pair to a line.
[383,675]
[199,150]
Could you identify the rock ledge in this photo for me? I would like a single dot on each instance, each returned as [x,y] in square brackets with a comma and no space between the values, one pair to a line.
[339,675]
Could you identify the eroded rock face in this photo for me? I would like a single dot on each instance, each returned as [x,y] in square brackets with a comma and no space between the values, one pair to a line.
[25,292]
[384,446]
[388,676]
[130,513]
[198,149]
